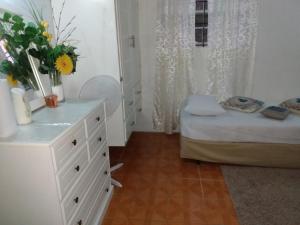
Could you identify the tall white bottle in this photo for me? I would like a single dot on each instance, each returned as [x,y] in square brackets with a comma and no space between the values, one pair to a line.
[22,106]
[8,124]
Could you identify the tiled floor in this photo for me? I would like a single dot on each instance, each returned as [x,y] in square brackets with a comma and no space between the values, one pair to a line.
[160,188]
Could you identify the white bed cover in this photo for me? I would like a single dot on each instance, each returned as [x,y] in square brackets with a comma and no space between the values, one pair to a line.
[234,126]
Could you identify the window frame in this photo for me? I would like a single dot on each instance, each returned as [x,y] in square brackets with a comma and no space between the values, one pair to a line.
[204,26]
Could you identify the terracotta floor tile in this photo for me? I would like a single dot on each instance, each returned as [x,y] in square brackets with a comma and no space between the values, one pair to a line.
[117,221]
[158,209]
[214,189]
[139,209]
[160,188]
[210,171]
[168,154]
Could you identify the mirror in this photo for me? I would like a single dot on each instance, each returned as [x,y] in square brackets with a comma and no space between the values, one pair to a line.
[19,7]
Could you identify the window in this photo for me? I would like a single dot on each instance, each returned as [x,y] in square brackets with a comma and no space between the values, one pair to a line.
[201,21]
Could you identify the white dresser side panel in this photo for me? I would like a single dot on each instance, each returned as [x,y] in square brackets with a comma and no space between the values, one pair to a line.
[28,190]
[115,128]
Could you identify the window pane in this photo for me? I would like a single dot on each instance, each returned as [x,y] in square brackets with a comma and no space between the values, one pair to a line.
[199,35]
[205,35]
[201,5]
[201,20]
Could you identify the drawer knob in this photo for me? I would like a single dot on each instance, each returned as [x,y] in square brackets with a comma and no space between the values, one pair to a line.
[77,168]
[132,123]
[76,200]
[104,154]
[138,92]
[79,222]
[107,189]
[130,103]
[105,172]
[100,139]
[140,109]
[74,142]
[98,118]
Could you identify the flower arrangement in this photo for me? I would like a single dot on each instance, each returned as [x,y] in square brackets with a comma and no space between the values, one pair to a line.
[60,57]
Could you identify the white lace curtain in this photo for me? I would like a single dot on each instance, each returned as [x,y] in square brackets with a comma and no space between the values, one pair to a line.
[232,31]
[175,40]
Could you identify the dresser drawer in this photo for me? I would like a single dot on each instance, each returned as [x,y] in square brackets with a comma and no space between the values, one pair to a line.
[94,119]
[74,198]
[99,185]
[138,104]
[68,145]
[101,202]
[97,140]
[70,173]
[130,122]
[138,88]
[129,104]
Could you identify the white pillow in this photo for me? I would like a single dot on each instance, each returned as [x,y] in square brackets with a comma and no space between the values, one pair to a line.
[203,105]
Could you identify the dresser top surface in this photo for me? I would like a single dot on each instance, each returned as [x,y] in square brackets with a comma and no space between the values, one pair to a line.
[49,123]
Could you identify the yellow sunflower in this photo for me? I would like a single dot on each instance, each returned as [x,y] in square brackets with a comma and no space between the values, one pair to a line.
[11,81]
[64,64]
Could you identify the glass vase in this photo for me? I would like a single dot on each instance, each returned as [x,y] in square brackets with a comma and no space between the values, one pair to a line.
[56,85]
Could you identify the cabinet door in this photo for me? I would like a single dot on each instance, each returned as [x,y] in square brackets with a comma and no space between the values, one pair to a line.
[133,18]
[128,33]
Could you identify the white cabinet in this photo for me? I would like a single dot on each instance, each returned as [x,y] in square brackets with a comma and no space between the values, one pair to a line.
[108,43]
[55,171]
[128,34]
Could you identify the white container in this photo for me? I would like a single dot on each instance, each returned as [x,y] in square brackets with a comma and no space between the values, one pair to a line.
[59,91]
[22,106]
[8,123]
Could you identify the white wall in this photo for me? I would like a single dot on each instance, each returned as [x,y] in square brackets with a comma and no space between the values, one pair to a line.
[277,68]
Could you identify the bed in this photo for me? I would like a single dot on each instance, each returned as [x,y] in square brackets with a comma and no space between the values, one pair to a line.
[241,138]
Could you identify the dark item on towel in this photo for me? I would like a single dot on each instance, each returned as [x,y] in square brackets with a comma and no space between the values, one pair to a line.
[292,105]
[243,104]
[275,112]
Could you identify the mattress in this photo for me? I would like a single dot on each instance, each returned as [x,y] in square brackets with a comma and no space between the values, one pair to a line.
[234,126]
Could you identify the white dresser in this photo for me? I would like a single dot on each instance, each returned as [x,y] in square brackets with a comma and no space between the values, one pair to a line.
[55,171]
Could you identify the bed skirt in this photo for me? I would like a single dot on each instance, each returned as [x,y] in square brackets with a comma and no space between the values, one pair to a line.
[254,154]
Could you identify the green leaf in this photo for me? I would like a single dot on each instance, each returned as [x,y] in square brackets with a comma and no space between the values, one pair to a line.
[31,24]
[18,26]
[18,39]
[44,67]
[5,66]
[17,19]
[6,16]
[31,31]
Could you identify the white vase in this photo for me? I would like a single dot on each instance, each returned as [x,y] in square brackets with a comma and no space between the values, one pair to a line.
[22,107]
[59,91]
